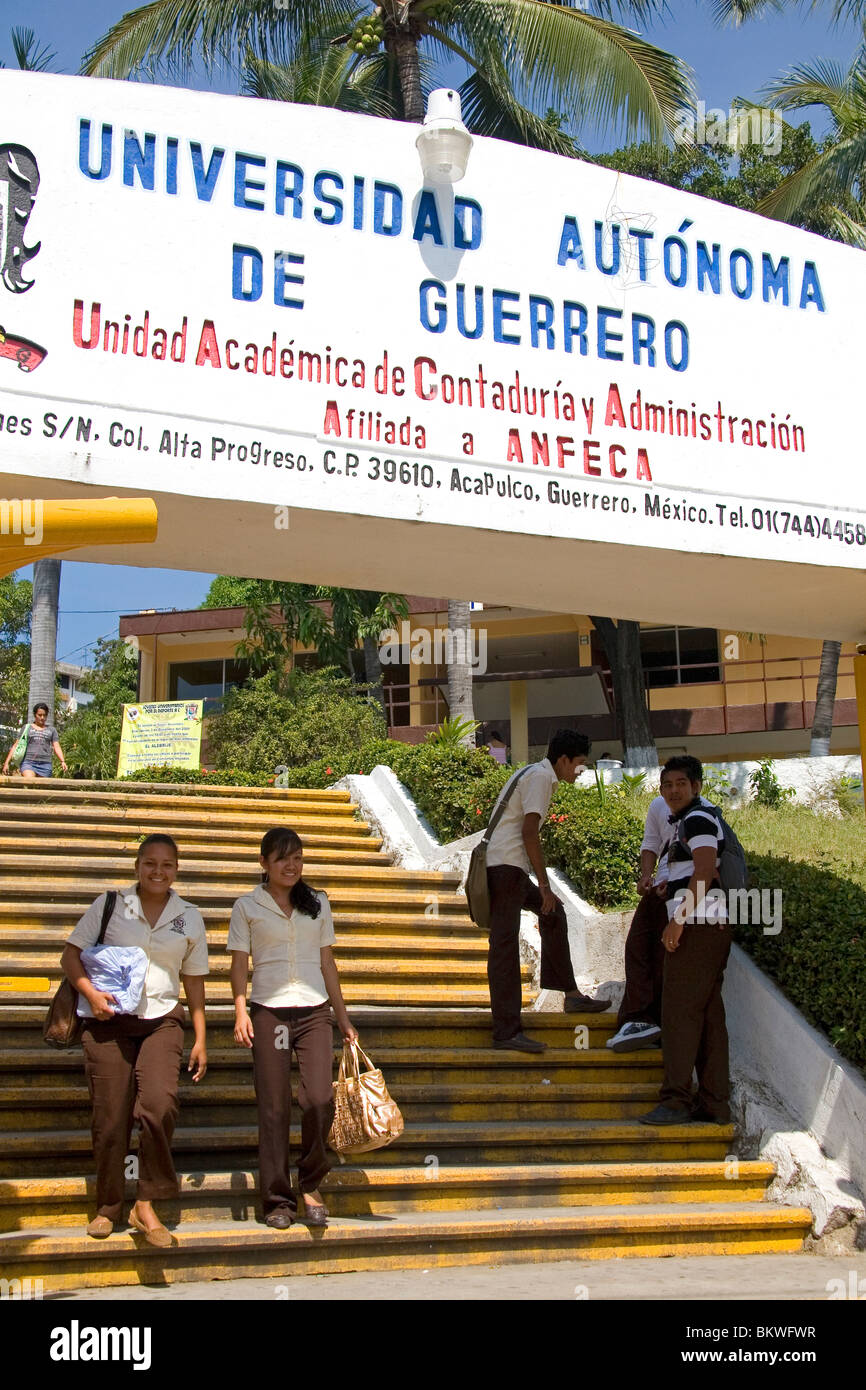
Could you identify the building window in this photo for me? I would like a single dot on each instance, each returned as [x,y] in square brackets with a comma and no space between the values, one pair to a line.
[205,680]
[679,655]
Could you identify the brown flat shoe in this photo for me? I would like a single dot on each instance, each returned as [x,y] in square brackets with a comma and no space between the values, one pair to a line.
[157,1236]
[100,1227]
[313,1216]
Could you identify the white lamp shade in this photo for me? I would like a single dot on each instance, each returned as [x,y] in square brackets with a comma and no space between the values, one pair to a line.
[444,142]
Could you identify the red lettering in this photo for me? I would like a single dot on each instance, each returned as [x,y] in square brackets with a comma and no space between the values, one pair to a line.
[515,452]
[591,456]
[614,411]
[208,348]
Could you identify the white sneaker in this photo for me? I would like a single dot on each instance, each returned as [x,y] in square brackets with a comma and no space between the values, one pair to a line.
[633,1036]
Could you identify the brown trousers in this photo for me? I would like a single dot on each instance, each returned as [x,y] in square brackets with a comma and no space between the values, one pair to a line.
[132,1066]
[511,890]
[644,963]
[694,1034]
[276,1032]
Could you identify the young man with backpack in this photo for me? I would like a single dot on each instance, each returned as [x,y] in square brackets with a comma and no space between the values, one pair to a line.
[640,1013]
[697,942]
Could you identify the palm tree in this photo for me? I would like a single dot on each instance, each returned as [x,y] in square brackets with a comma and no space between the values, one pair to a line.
[831,187]
[621,642]
[538,50]
[825,700]
[43,634]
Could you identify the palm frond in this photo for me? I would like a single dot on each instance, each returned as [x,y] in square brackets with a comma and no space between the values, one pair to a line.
[828,178]
[172,33]
[495,111]
[334,77]
[28,55]
[739,12]
[592,69]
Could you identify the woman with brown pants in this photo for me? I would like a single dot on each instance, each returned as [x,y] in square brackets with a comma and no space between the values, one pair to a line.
[132,1061]
[288,930]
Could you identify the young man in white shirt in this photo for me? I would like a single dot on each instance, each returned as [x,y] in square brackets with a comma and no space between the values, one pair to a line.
[515,850]
[640,1013]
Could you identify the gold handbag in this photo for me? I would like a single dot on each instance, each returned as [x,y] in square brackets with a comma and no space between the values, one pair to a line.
[365,1116]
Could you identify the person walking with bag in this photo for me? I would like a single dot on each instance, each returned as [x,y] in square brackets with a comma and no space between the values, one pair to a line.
[287,928]
[513,851]
[39,741]
[132,1060]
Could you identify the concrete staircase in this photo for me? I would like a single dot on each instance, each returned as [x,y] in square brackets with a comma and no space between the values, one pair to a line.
[504,1158]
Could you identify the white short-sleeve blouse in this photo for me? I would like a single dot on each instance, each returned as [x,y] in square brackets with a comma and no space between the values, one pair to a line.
[287,970]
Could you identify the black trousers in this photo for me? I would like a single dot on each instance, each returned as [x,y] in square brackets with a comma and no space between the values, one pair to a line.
[644,963]
[276,1033]
[512,890]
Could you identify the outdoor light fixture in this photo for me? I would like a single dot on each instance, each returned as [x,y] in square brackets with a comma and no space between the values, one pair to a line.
[444,142]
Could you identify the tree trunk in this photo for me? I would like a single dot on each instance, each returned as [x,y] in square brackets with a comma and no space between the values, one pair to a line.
[404,46]
[621,642]
[373,673]
[43,640]
[825,700]
[459,663]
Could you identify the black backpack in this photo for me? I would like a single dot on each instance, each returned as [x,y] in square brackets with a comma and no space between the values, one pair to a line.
[733,869]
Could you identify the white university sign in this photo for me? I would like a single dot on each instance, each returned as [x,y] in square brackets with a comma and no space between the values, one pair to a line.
[223,298]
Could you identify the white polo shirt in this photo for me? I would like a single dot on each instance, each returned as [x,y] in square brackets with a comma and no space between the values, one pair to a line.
[287,965]
[532,795]
[176,946]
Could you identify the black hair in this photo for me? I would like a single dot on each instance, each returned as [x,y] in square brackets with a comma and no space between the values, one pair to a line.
[692,767]
[157,840]
[567,742]
[40,704]
[281,842]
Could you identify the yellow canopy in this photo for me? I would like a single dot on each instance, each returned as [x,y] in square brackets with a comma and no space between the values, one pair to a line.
[32,529]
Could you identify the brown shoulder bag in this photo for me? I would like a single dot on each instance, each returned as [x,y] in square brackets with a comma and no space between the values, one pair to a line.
[62,1026]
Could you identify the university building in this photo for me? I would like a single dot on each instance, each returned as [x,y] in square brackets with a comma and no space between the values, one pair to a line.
[721,695]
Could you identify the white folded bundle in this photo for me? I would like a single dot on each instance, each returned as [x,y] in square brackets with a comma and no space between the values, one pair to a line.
[117,970]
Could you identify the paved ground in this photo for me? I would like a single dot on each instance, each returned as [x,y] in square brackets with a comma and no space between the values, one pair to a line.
[714,1278]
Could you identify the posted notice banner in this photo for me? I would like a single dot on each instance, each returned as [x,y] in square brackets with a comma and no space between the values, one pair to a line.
[164,733]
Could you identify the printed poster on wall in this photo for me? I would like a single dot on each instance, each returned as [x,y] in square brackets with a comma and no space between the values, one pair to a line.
[164,733]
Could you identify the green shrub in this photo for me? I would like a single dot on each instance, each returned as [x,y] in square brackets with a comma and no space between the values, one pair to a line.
[597,844]
[288,721]
[766,786]
[819,957]
[189,776]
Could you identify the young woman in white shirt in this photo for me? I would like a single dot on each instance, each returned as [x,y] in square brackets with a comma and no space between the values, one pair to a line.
[132,1061]
[287,928]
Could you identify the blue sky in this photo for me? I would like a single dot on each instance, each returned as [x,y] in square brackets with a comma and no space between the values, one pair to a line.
[727,63]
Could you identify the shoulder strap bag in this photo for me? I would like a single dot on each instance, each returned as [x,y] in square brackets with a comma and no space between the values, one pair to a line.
[20,749]
[62,1026]
[477,892]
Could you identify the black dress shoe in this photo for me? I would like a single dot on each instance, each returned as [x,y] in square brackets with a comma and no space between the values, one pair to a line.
[520,1043]
[313,1216]
[281,1219]
[664,1115]
[584,1004]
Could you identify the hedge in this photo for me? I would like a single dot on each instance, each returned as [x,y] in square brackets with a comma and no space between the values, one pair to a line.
[818,958]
